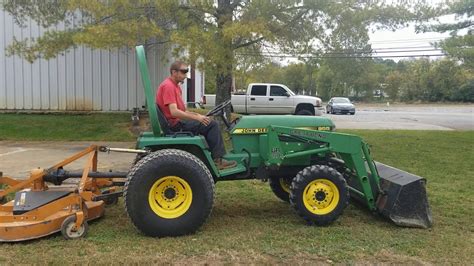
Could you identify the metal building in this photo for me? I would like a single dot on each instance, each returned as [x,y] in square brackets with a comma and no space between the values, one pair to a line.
[81,79]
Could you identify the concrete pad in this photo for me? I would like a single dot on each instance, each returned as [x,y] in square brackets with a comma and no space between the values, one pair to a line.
[17,159]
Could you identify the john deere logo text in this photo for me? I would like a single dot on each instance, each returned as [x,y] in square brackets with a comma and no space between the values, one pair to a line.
[250,130]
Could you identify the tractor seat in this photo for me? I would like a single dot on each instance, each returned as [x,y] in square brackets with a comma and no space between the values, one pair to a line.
[165,126]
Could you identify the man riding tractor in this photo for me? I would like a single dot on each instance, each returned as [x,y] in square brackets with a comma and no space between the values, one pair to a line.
[169,100]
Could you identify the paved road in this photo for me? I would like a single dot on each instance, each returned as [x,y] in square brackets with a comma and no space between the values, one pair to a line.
[423,117]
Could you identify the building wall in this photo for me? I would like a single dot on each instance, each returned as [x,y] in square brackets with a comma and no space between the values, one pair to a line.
[81,80]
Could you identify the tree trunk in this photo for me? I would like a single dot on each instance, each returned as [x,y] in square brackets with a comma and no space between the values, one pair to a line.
[224,86]
[225,67]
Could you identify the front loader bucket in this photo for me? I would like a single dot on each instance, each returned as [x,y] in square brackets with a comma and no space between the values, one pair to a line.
[403,199]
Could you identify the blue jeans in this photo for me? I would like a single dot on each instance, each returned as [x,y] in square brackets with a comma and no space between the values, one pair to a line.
[211,133]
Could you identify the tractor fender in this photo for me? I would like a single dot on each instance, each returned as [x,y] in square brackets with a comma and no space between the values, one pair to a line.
[193,149]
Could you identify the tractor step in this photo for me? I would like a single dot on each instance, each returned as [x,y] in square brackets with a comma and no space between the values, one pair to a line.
[240,168]
[403,199]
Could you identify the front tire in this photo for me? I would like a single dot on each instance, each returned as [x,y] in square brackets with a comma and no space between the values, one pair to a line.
[169,193]
[319,194]
[281,187]
[304,112]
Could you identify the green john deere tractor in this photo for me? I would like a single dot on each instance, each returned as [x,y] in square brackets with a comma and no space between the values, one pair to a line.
[170,189]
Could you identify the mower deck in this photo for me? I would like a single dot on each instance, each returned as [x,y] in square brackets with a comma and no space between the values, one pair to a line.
[32,225]
[38,210]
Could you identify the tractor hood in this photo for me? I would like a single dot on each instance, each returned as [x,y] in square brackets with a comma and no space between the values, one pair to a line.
[258,123]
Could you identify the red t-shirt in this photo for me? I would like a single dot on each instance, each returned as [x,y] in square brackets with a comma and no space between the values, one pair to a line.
[167,93]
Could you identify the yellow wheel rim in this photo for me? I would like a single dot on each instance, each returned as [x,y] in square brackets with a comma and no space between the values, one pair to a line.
[285,184]
[170,197]
[321,196]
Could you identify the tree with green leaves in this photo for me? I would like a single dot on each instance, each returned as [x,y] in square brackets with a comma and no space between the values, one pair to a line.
[325,82]
[213,31]
[392,84]
[457,46]
[431,81]
[295,76]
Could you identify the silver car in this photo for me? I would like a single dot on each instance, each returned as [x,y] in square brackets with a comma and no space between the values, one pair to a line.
[340,105]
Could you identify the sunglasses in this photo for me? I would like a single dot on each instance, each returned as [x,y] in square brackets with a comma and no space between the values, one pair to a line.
[184,71]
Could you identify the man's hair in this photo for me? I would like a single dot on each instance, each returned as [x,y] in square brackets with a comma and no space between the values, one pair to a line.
[176,66]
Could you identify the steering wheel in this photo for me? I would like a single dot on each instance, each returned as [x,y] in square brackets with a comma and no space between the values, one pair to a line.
[219,108]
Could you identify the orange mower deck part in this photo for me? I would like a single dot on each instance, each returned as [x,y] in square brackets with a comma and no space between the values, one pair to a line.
[39,210]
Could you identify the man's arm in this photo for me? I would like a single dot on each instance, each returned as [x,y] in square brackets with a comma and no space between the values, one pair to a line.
[185,115]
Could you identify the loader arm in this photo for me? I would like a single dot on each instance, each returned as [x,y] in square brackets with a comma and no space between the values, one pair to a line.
[394,193]
[352,149]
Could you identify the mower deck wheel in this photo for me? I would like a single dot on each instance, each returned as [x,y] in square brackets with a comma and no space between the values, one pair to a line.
[69,232]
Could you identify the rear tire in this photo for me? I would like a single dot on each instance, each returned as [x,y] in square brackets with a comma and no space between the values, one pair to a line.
[319,194]
[281,187]
[169,193]
[138,157]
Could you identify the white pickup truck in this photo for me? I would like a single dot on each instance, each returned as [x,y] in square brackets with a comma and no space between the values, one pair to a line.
[268,98]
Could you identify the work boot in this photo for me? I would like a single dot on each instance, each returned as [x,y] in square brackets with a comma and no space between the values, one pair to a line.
[224,164]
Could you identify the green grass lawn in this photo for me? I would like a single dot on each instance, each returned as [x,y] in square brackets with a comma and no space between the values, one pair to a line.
[250,225]
[97,126]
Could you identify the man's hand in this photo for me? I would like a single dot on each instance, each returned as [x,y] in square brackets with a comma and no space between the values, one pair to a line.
[205,120]
[186,115]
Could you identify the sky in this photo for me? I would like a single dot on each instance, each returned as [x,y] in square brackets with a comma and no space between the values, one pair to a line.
[401,44]
[406,42]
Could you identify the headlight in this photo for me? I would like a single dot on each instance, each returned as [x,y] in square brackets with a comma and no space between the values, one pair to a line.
[318,102]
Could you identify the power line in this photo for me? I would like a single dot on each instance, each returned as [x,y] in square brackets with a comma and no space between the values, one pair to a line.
[407,51]
[322,57]
[410,40]
[403,47]
[356,52]
[349,54]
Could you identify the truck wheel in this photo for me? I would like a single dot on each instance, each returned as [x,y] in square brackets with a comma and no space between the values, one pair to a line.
[281,187]
[319,194]
[304,112]
[169,193]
